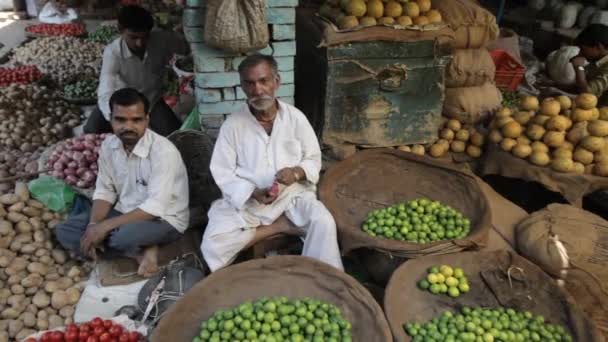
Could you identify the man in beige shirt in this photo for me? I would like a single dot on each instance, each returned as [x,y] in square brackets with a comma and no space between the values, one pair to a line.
[137,59]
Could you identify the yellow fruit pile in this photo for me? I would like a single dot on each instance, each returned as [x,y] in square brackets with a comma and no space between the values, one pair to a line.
[349,14]
[452,137]
[556,132]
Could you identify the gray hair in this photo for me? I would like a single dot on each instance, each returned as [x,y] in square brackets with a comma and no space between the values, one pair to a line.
[256,59]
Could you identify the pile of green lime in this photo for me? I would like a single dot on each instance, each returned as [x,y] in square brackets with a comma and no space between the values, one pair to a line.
[419,221]
[275,320]
[486,325]
[445,280]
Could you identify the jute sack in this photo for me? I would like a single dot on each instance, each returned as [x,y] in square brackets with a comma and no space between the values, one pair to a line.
[470,68]
[291,276]
[496,279]
[236,26]
[571,244]
[471,104]
[473,25]
[378,178]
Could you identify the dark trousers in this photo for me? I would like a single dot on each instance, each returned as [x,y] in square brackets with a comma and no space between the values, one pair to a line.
[162,121]
[127,240]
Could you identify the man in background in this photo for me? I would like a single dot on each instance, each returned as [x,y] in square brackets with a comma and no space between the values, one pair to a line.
[591,65]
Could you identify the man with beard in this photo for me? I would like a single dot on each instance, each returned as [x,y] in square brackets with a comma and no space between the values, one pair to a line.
[137,59]
[141,194]
[266,161]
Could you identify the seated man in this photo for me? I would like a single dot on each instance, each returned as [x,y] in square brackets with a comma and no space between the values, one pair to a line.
[137,59]
[266,141]
[593,77]
[58,12]
[141,194]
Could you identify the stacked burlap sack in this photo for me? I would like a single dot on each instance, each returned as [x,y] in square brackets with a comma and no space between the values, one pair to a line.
[571,244]
[470,90]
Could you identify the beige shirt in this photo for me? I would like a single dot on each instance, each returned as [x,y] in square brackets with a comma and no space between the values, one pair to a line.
[121,68]
[152,178]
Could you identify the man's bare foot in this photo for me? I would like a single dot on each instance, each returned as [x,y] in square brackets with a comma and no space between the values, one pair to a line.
[148,262]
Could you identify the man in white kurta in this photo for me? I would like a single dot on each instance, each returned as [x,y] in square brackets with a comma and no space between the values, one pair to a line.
[249,155]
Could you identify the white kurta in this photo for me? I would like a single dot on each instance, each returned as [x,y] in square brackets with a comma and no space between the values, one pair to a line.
[245,157]
[51,15]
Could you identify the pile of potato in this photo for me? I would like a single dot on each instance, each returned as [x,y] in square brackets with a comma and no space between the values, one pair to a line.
[63,59]
[32,117]
[453,136]
[15,162]
[39,286]
[566,135]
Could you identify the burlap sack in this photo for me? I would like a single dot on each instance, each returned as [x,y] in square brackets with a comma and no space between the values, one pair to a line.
[496,279]
[572,186]
[471,104]
[473,25]
[470,68]
[290,276]
[583,237]
[236,26]
[377,178]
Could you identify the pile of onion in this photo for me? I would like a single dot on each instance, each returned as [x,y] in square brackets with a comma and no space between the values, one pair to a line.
[75,160]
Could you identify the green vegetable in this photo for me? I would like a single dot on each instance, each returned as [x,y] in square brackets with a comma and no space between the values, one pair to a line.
[418,221]
[83,89]
[487,325]
[104,34]
[453,278]
[277,319]
[509,98]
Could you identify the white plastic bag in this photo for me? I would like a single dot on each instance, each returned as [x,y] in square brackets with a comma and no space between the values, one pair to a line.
[559,67]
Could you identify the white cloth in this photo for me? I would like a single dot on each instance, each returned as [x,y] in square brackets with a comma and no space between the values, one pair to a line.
[152,178]
[245,157]
[51,15]
[121,68]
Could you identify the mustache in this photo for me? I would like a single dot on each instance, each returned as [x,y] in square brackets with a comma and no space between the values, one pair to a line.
[127,132]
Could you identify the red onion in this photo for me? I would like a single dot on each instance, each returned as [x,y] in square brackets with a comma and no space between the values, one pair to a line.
[77,156]
[93,166]
[81,171]
[78,146]
[81,184]
[69,171]
[72,165]
[58,166]
[88,176]
[71,180]
[58,174]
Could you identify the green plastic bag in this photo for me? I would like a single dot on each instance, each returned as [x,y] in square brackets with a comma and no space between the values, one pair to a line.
[192,121]
[53,193]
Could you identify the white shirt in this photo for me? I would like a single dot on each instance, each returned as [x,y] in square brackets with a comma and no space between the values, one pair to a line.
[121,68]
[245,157]
[51,15]
[152,178]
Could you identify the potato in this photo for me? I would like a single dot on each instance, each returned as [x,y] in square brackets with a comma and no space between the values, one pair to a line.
[42,324]
[59,256]
[55,321]
[17,207]
[65,283]
[19,264]
[9,313]
[35,204]
[29,319]
[37,268]
[22,191]
[66,311]
[39,236]
[52,277]
[52,286]
[47,216]
[17,289]
[24,333]
[6,227]
[74,271]
[31,212]
[9,199]
[59,299]
[32,280]
[16,217]
[36,223]
[42,314]
[14,327]
[53,223]
[73,295]
[4,335]
[41,300]
[23,227]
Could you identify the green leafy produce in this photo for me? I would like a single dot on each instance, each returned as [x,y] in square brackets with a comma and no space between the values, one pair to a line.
[84,89]
[104,34]
[418,221]
[445,280]
[275,320]
[487,325]
[509,98]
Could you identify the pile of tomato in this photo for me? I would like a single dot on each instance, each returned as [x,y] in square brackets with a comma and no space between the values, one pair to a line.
[22,75]
[72,29]
[97,330]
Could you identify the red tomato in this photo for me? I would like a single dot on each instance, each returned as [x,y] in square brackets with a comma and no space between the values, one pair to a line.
[71,335]
[124,337]
[116,331]
[83,336]
[31,340]
[134,336]
[97,322]
[71,327]
[92,339]
[105,337]
[99,331]
[57,336]
[46,337]
[84,327]
[108,323]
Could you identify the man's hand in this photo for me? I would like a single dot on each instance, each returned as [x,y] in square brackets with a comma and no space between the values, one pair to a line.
[94,235]
[287,176]
[264,196]
[578,61]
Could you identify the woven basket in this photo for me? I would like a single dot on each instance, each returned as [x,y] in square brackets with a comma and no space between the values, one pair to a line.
[196,148]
